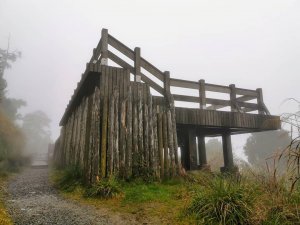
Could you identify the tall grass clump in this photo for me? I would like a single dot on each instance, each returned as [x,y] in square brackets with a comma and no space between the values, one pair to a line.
[68,179]
[105,188]
[223,201]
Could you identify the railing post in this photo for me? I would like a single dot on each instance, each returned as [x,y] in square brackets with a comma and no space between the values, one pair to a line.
[104,47]
[260,101]
[137,64]
[167,82]
[233,101]
[202,94]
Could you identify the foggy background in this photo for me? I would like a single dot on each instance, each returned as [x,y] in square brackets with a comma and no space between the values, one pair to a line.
[249,43]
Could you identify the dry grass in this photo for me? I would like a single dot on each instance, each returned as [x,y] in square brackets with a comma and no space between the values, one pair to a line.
[4,217]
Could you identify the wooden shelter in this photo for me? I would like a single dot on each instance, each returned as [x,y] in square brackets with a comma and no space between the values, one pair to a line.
[114,124]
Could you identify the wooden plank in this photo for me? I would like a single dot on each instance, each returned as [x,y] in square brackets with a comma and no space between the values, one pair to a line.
[152,84]
[160,143]
[184,83]
[120,61]
[171,143]
[202,94]
[104,47]
[120,47]
[248,105]
[165,143]
[116,134]
[104,124]
[233,103]
[137,64]
[217,102]
[217,88]
[140,124]
[241,91]
[152,69]
[111,135]
[245,98]
[185,98]
[128,160]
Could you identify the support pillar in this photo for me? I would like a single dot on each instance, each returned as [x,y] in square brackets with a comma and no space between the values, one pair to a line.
[227,153]
[192,149]
[202,152]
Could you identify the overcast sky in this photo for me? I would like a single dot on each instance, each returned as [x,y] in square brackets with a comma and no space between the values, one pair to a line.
[253,44]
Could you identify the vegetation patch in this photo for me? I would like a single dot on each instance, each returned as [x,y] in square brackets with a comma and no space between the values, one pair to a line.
[105,188]
[223,201]
[199,198]
[69,179]
[4,217]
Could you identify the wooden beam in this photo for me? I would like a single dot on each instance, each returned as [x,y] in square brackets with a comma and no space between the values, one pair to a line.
[152,69]
[184,83]
[120,47]
[202,94]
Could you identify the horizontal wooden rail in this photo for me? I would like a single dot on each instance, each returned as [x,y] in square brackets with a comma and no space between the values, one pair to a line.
[152,69]
[184,83]
[120,47]
[239,97]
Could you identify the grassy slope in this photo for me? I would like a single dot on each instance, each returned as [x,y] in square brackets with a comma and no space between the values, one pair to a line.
[4,217]
[154,203]
[168,202]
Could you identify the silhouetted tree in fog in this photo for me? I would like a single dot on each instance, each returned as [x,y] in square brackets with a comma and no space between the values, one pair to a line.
[262,145]
[36,130]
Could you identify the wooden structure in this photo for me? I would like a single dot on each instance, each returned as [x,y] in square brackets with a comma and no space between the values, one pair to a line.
[114,124]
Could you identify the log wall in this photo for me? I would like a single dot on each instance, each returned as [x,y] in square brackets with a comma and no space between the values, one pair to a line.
[120,130]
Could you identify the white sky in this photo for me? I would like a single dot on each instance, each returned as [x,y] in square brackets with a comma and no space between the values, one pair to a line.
[250,43]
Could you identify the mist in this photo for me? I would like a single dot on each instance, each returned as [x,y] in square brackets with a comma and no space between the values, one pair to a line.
[252,44]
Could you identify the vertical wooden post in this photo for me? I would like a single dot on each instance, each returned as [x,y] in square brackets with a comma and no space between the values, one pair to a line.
[104,47]
[233,101]
[202,94]
[192,148]
[160,143]
[260,101]
[167,83]
[137,64]
[202,151]
[227,153]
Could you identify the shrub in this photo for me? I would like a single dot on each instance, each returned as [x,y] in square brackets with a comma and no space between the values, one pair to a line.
[11,145]
[69,179]
[105,188]
[223,201]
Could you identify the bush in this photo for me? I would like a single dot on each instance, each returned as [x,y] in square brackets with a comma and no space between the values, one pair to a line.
[69,179]
[105,188]
[11,145]
[223,201]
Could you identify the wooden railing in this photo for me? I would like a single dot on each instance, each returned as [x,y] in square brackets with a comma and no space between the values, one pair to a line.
[238,96]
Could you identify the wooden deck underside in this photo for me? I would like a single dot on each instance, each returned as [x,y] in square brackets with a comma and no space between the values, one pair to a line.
[215,122]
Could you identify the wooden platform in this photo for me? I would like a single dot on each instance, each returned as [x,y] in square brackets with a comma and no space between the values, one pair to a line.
[235,122]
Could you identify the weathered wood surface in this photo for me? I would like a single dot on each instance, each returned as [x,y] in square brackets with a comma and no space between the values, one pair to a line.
[212,118]
[119,130]
[115,127]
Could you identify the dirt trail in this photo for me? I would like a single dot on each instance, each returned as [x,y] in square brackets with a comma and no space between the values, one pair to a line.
[33,201]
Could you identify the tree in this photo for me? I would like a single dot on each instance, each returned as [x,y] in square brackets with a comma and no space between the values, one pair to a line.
[260,146]
[36,130]
[6,57]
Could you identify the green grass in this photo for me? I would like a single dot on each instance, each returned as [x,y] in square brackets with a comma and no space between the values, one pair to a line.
[105,188]
[200,198]
[223,201]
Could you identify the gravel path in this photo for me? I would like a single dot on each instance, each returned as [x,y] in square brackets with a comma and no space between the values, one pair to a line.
[33,201]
